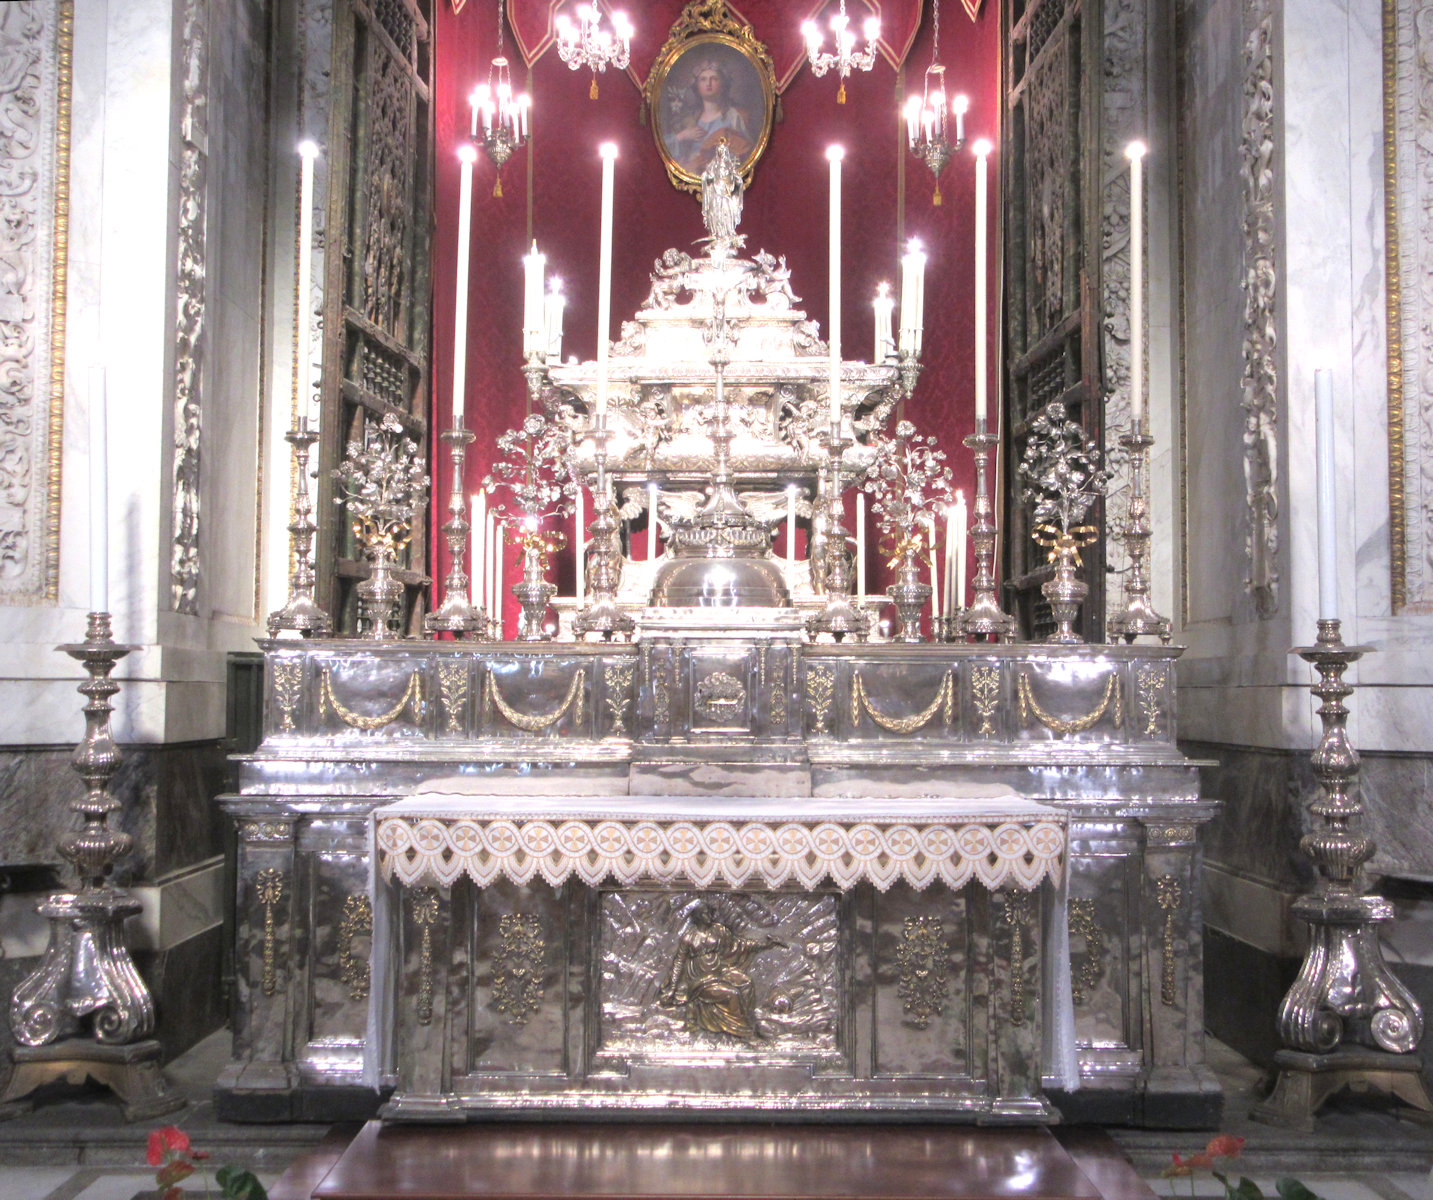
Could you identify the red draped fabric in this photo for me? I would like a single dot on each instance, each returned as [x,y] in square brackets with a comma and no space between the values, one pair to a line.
[551,193]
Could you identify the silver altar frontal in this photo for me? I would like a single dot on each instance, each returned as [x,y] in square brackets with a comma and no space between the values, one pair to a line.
[742,853]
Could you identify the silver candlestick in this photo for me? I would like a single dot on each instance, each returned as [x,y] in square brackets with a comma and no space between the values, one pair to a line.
[602,614]
[457,614]
[1138,615]
[984,617]
[85,1009]
[1347,1020]
[301,612]
[839,616]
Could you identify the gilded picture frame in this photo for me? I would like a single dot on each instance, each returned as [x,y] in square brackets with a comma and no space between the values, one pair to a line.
[712,81]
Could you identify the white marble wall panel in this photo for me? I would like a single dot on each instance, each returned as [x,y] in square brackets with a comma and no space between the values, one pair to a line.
[1213,309]
[121,316]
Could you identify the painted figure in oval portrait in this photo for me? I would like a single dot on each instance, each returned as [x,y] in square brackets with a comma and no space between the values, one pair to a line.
[712,94]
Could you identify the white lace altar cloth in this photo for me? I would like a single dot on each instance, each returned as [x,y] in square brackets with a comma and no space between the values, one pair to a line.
[999,841]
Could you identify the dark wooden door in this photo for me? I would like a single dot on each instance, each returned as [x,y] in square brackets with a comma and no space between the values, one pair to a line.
[377,308]
[1052,268]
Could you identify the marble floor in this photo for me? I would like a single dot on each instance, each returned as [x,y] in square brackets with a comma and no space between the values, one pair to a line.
[75,1146]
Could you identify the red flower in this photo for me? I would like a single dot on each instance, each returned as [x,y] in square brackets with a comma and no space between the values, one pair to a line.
[164,1141]
[1224,1145]
[1177,1168]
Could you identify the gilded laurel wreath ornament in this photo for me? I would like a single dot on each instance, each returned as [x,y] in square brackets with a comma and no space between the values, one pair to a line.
[382,483]
[1062,476]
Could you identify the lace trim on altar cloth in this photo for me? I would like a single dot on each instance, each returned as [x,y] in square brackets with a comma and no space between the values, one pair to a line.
[994,851]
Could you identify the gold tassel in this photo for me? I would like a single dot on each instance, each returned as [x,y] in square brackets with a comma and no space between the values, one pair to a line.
[592,91]
[936,201]
[841,95]
[498,188]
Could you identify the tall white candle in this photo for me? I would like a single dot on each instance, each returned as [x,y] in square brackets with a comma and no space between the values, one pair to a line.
[934,579]
[1327,519]
[982,150]
[912,297]
[651,521]
[962,524]
[490,542]
[580,544]
[834,155]
[308,151]
[466,157]
[555,304]
[884,305]
[948,562]
[1135,152]
[534,339]
[608,151]
[480,529]
[791,522]
[99,492]
[499,530]
[861,545]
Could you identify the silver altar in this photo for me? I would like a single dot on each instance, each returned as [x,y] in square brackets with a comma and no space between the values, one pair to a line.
[351,726]
[870,996]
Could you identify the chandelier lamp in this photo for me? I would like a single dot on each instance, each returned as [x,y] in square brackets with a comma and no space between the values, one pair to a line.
[584,43]
[500,118]
[846,58]
[927,126]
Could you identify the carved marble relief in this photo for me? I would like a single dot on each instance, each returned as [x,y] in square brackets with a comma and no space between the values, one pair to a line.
[1408,161]
[35,65]
[1260,380]
[190,336]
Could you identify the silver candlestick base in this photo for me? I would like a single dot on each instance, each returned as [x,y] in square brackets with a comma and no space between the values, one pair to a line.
[301,612]
[840,616]
[1138,615]
[602,614]
[85,1004]
[984,617]
[1347,1019]
[457,614]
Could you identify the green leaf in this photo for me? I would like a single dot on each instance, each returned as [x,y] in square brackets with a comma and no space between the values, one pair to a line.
[235,1183]
[1245,1189]
[1292,1189]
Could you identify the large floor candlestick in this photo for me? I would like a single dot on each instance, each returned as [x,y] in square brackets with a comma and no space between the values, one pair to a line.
[1347,1019]
[85,1009]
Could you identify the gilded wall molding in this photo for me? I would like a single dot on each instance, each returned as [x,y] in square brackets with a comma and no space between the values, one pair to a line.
[1260,381]
[1408,195]
[36,41]
[190,334]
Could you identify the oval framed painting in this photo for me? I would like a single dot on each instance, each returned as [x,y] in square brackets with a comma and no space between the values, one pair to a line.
[711,82]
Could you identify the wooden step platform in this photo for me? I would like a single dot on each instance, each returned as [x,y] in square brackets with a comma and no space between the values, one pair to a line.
[531,1161]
